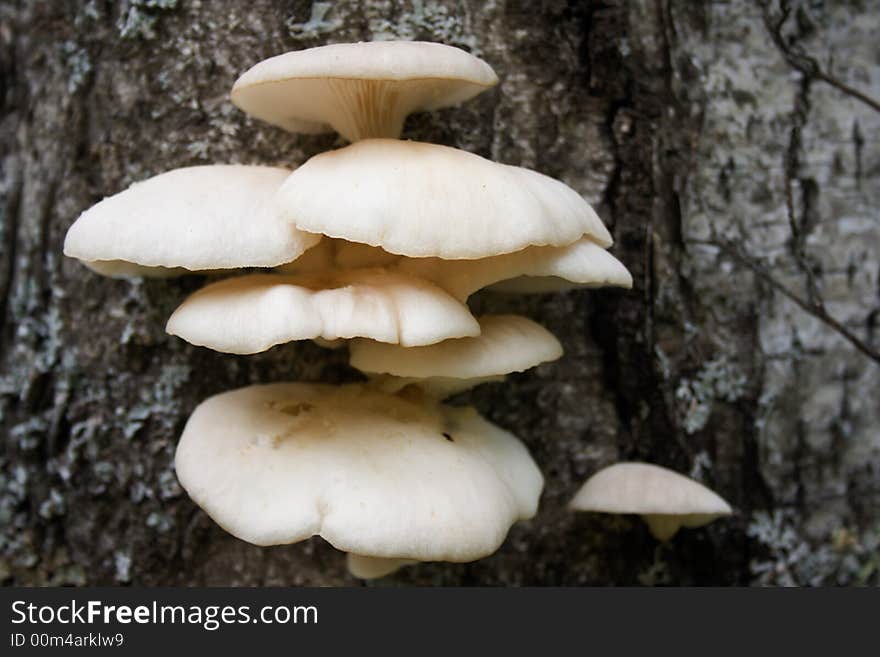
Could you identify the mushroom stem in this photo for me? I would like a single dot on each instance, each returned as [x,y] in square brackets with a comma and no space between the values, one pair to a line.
[662,526]
[366,567]
[368,109]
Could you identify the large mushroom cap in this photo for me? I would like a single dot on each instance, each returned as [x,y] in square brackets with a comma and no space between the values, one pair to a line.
[423,200]
[196,218]
[534,269]
[372,473]
[361,90]
[249,314]
[507,343]
[666,499]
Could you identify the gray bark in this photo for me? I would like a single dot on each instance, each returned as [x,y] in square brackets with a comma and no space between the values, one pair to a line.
[732,149]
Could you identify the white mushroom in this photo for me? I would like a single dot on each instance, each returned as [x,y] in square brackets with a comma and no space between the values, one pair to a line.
[506,344]
[195,218]
[535,269]
[424,200]
[373,474]
[361,90]
[665,499]
[374,567]
[249,314]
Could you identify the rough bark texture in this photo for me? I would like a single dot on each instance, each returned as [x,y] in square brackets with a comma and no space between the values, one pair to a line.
[731,147]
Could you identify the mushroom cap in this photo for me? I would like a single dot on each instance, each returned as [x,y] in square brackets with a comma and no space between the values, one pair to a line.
[197,218]
[372,473]
[359,89]
[249,314]
[425,200]
[374,567]
[582,263]
[506,343]
[647,489]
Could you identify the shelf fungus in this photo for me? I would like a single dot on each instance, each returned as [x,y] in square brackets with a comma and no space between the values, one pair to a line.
[200,218]
[376,246]
[506,344]
[664,499]
[361,90]
[372,473]
[250,314]
[427,200]
[582,263]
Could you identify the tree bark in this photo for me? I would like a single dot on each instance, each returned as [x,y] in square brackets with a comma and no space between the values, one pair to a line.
[730,147]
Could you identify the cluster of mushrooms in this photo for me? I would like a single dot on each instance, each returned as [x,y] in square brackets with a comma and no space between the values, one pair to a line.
[375,246]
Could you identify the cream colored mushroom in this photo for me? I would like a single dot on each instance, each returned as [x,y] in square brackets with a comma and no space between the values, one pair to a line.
[425,200]
[195,218]
[580,264]
[374,567]
[506,344]
[535,269]
[249,314]
[372,473]
[361,90]
[665,499]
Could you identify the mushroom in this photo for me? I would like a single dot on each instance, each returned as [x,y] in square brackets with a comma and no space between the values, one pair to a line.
[374,567]
[424,200]
[249,314]
[507,343]
[374,474]
[535,269]
[361,90]
[195,218]
[580,264]
[665,499]
[381,242]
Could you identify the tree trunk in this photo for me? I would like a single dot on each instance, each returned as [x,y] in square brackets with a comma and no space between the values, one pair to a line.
[730,147]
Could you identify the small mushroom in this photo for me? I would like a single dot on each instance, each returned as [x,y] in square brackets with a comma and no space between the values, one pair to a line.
[195,218]
[249,314]
[374,567]
[371,473]
[665,499]
[424,200]
[506,344]
[361,90]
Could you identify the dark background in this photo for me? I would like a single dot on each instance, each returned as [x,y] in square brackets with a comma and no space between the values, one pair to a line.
[731,147]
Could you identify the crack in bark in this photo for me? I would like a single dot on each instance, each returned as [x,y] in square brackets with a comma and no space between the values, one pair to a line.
[800,60]
[7,273]
[817,311]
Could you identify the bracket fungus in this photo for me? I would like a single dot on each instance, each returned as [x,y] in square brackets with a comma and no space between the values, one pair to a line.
[195,218]
[665,499]
[424,200]
[372,473]
[361,90]
[506,344]
[380,243]
[249,314]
